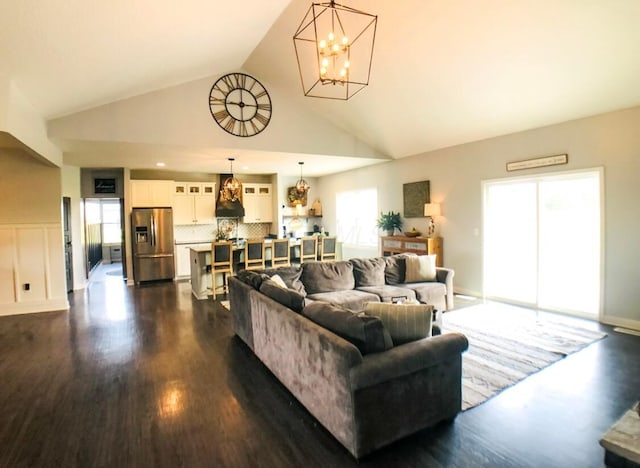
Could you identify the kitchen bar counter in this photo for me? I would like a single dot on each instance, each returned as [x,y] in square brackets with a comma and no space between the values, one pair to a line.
[200,257]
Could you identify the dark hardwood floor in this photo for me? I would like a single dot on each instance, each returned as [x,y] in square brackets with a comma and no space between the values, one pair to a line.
[149,376]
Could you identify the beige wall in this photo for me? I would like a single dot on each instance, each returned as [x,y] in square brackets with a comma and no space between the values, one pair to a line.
[71,189]
[33,273]
[29,189]
[610,140]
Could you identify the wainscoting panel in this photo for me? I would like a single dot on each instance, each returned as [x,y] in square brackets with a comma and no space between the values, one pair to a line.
[32,274]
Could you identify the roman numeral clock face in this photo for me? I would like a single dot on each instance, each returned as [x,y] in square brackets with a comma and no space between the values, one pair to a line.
[240,105]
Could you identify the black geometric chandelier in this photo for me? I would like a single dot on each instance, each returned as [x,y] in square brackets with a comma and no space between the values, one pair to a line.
[334,48]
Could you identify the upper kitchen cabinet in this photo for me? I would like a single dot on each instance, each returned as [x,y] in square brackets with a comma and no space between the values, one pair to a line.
[194,203]
[151,193]
[257,200]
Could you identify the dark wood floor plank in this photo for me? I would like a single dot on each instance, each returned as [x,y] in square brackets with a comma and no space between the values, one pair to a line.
[149,376]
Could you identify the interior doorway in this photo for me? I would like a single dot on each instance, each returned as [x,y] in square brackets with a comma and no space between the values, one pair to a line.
[68,247]
[104,237]
[542,241]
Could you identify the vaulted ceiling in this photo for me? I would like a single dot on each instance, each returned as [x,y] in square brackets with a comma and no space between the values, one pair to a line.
[444,72]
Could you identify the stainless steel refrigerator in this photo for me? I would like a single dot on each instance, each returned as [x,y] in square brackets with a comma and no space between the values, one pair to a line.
[152,230]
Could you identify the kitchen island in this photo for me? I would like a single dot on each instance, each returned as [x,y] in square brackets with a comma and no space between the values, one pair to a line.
[200,261]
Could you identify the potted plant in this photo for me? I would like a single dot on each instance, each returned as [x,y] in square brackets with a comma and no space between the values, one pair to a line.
[389,222]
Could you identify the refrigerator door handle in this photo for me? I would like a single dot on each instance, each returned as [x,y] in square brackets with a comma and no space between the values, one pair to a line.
[153,230]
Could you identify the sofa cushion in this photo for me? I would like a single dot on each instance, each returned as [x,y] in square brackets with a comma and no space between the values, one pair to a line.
[420,268]
[319,277]
[290,275]
[368,271]
[353,299]
[405,322]
[285,296]
[394,270]
[251,277]
[387,292]
[367,333]
[431,292]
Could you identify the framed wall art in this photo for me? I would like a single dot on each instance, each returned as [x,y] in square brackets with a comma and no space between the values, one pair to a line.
[415,195]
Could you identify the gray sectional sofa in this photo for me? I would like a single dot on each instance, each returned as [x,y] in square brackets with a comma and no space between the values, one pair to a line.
[366,400]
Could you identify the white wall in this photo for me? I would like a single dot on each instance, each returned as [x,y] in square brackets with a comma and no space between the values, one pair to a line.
[180,115]
[610,140]
[21,120]
[71,189]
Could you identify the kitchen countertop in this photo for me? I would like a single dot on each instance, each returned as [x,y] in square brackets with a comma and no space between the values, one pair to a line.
[184,242]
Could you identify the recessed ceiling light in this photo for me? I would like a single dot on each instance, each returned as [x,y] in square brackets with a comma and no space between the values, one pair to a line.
[160,164]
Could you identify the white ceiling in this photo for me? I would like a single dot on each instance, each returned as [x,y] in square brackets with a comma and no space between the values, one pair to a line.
[444,72]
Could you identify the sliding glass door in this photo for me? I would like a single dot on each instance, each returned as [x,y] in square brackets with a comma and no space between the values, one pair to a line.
[542,241]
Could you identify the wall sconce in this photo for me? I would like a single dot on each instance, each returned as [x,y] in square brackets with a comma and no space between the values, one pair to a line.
[431,210]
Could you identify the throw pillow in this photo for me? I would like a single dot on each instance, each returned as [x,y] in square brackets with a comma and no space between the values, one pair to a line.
[405,322]
[365,332]
[368,271]
[395,268]
[290,275]
[420,268]
[285,296]
[279,281]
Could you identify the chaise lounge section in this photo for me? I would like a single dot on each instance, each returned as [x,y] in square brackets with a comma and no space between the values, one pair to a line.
[366,400]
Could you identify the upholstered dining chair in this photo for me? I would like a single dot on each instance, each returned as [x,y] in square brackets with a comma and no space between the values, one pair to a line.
[254,254]
[328,249]
[221,263]
[280,253]
[308,249]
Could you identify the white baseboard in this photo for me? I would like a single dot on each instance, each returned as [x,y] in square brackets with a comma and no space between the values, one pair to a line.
[467,292]
[19,308]
[620,322]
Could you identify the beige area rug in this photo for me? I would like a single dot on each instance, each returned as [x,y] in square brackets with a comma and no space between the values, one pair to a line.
[507,345]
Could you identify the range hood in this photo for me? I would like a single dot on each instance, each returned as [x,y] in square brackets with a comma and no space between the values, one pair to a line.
[226,208]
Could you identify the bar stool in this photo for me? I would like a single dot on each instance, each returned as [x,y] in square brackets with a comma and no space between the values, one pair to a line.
[280,253]
[328,249]
[221,262]
[308,249]
[254,254]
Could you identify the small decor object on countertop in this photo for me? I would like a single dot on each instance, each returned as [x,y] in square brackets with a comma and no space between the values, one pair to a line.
[412,233]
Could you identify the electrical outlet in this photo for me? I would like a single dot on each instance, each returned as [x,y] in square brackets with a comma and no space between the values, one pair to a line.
[27,286]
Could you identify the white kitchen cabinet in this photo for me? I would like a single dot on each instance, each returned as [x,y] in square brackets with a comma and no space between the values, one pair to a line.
[151,193]
[257,200]
[194,203]
[183,258]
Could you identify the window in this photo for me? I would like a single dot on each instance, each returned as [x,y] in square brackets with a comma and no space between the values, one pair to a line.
[542,241]
[111,230]
[356,215]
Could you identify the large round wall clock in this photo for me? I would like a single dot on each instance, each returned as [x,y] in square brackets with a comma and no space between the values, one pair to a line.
[240,105]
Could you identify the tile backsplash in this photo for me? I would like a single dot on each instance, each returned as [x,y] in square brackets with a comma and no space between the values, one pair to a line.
[207,232]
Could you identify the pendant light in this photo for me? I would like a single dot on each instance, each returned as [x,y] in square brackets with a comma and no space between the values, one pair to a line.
[231,187]
[334,50]
[302,186]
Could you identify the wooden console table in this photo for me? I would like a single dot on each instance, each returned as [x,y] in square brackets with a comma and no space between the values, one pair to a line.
[390,245]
